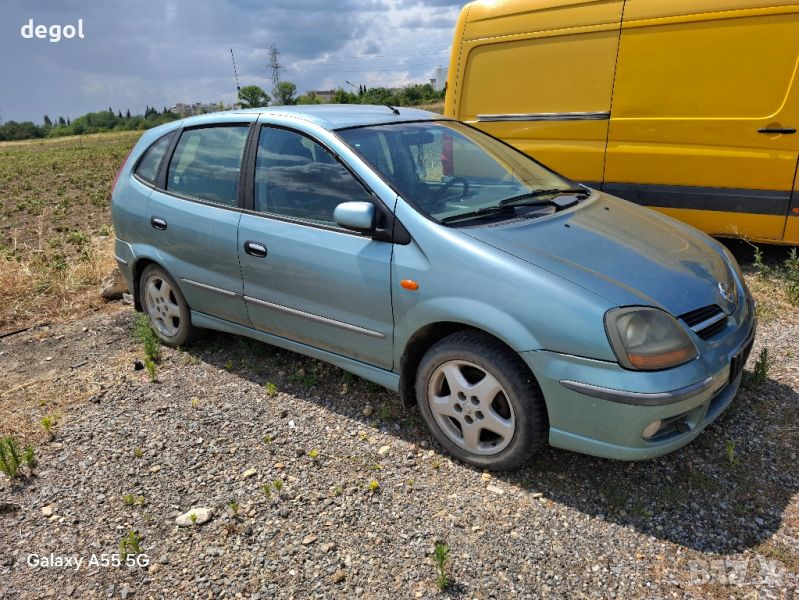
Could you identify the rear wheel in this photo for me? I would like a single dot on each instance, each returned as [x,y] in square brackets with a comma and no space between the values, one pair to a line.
[166,307]
[480,401]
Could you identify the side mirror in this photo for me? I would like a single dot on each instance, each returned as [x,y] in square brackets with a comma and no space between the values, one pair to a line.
[359,216]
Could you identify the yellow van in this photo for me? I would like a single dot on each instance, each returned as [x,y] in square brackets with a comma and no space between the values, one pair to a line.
[688,106]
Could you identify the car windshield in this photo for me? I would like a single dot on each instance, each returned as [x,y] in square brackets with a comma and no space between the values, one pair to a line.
[454,173]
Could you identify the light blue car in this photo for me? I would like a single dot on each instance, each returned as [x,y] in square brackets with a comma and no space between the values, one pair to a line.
[513,306]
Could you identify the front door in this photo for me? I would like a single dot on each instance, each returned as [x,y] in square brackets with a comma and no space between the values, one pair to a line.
[305,278]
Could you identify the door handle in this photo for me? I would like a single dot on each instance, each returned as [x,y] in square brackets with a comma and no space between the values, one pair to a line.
[158,223]
[255,249]
[777,130]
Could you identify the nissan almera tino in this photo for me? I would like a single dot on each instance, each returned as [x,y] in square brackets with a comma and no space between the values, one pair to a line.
[513,306]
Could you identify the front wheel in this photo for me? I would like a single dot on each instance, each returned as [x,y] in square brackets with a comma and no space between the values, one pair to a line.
[166,307]
[480,401]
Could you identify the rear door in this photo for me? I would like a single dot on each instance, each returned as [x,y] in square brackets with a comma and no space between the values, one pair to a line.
[542,79]
[705,111]
[305,278]
[194,217]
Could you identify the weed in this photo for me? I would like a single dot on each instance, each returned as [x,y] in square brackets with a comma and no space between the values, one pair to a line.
[373,486]
[270,388]
[78,238]
[384,413]
[336,491]
[436,465]
[229,365]
[195,402]
[143,332]
[761,268]
[47,423]
[791,265]
[729,449]
[314,454]
[9,457]
[193,518]
[441,557]
[760,371]
[278,484]
[105,230]
[138,452]
[133,500]
[348,377]
[151,372]
[234,508]
[267,490]
[306,378]
[130,544]
[29,458]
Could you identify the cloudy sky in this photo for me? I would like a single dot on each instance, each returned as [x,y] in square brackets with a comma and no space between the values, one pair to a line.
[160,52]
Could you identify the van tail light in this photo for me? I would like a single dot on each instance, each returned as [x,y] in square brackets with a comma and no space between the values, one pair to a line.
[447,156]
[119,172]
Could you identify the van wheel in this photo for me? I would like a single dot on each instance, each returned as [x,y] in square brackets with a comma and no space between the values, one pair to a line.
[480,401]
[166,307]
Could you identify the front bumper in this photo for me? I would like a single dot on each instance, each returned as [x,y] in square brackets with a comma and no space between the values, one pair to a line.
[599,408]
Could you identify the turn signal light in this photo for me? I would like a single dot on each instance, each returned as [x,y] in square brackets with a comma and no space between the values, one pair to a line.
[409,284]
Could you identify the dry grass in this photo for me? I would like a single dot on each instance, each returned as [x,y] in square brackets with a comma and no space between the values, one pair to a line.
[55,233]
[39,288]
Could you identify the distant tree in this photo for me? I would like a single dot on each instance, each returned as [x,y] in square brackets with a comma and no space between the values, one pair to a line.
[68,121]
[284,93]
[119,114]
[252,96]
[309,98]
[47,121]
[61,121]
[127,114]
[342,96]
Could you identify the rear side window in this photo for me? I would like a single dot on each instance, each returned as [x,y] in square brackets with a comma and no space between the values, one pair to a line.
[148,166]
[206,163]
[296,177]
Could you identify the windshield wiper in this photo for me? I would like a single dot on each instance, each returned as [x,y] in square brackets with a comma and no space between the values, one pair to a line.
[537,193]
[509,204]
[483,212]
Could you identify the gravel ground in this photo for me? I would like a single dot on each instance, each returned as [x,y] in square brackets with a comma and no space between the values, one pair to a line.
[719,518]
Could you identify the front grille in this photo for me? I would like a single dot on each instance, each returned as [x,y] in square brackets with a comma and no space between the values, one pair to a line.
[706,321]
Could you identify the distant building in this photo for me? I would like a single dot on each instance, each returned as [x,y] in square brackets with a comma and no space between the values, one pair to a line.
[197,108]
[323,95]
[439,79]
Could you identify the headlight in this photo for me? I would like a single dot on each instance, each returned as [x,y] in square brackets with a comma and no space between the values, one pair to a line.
[647,339]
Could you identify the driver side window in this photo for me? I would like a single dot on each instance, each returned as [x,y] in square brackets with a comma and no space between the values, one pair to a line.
[296,177]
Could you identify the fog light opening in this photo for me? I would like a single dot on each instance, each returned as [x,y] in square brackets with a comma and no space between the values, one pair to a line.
[652,429]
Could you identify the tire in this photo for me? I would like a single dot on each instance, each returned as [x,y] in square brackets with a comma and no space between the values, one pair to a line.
[481,402]
[165,306]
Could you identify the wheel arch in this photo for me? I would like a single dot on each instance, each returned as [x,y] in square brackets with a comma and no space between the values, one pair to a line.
[137,270]
[422,340]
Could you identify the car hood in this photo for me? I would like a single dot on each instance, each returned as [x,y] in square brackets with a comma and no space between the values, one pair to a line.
[628,254]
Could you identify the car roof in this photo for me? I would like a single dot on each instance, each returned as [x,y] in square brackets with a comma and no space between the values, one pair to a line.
[334,116]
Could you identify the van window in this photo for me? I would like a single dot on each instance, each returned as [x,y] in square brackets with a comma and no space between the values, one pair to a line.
[296,177]
[726,68]
[206,163]
[148,166]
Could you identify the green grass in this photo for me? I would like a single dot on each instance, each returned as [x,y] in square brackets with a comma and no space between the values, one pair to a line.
[441,557]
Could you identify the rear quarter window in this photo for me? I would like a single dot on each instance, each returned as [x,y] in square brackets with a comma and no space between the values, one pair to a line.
[150,162]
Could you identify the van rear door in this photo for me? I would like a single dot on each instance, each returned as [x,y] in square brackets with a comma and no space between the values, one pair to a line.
[540,78]
[705,111]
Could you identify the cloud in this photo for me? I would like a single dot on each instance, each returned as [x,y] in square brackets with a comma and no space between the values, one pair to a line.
[157,53]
